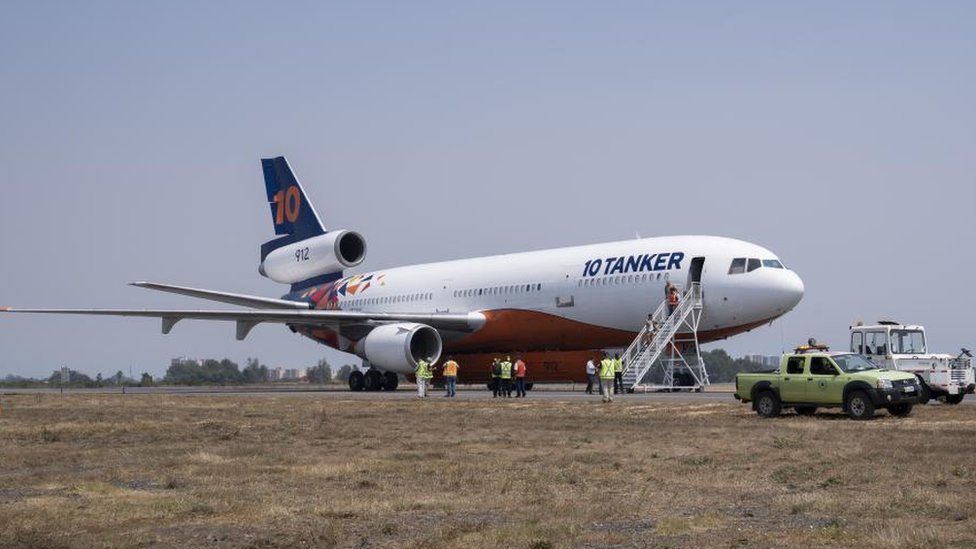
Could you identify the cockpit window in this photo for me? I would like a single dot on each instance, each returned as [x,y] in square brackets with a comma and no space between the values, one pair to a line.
[738,266]
[748,264]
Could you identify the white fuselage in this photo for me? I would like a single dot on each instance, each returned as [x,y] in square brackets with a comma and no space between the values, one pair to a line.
[588,286]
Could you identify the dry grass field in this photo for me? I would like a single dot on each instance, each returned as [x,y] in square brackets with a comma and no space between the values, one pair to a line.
[176,471]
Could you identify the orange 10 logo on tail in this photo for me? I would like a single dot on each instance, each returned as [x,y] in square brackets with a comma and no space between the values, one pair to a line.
[288,203]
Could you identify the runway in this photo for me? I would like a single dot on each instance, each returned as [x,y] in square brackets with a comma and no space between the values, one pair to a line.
[717,394]
[472,392]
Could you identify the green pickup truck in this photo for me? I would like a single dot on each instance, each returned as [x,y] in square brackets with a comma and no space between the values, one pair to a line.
[808,380]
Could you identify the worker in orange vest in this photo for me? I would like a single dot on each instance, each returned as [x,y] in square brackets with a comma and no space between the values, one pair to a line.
[450,370]
[519,377]
[673,299]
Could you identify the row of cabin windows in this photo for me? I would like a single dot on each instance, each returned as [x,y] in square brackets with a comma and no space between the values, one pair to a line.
[619,279]
[499,290]
[388,300]
[748,264]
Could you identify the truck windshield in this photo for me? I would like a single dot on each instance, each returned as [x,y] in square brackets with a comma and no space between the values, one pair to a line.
[853,363]
[907,342]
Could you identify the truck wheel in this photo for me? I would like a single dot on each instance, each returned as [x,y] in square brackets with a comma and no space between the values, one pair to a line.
[859,406]
[900,410]
[768,404]
[954,399]
[805,410]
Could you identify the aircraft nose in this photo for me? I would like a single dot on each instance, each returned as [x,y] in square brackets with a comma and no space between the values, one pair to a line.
[791,290]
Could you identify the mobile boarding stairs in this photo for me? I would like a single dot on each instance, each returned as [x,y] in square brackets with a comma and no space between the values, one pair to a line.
[665,356]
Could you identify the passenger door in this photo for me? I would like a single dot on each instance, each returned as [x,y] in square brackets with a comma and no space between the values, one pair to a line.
[823,382]
[793,381]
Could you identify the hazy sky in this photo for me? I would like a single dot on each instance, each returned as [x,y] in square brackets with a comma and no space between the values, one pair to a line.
[841,135]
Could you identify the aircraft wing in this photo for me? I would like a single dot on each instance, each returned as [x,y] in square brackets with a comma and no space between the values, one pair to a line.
[246,320]
[244,300]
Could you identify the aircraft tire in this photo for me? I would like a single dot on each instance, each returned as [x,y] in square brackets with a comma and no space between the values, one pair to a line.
[954,399]
[356,381]
[373,380]
[390,381]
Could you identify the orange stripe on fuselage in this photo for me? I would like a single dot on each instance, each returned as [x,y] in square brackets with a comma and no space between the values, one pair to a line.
[507,330]
[510,329]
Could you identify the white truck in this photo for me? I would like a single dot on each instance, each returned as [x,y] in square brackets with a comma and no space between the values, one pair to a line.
[895,346]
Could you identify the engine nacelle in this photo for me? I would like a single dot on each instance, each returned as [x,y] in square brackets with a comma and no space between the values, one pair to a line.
[324,254]
[398,347]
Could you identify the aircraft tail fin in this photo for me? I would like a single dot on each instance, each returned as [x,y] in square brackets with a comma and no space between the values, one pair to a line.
[292,214]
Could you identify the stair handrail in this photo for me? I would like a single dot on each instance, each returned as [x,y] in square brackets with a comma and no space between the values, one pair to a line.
[635,353]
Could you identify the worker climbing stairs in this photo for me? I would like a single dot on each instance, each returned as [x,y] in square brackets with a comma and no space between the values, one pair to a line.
[665,355]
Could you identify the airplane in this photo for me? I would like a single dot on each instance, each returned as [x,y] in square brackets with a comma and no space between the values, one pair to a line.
[557,307]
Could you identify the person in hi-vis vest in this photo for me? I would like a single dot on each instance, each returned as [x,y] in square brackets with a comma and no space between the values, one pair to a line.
[606,376]
[424,372]
[506,377]
[450,370]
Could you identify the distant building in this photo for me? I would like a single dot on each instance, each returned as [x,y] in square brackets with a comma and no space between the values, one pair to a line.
[294,374]
[766,361]
[277,374]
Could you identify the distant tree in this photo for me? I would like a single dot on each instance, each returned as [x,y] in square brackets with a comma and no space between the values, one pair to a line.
[254,372]
[209,372]
[75,379]
[320,373]
[98,379]
[722,367]
[344,373]
[19,382]
[146,381]
[183,372]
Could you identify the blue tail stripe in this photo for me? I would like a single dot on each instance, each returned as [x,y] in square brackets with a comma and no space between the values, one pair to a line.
[291,211]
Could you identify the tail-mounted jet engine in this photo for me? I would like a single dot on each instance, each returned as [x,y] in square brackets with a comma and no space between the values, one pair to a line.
[324,254]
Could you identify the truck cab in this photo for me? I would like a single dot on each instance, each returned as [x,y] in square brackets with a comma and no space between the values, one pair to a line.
[904,347]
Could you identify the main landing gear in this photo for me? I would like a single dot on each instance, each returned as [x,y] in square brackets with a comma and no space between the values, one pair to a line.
[373,380]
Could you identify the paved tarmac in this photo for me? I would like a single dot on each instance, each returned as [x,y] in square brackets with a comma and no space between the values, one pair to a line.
[718,393]
[472,392]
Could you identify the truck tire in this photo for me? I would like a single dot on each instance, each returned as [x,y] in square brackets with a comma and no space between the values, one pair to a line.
[805,410]
[859,406]
[900,410]
[954,399]
[768,404]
